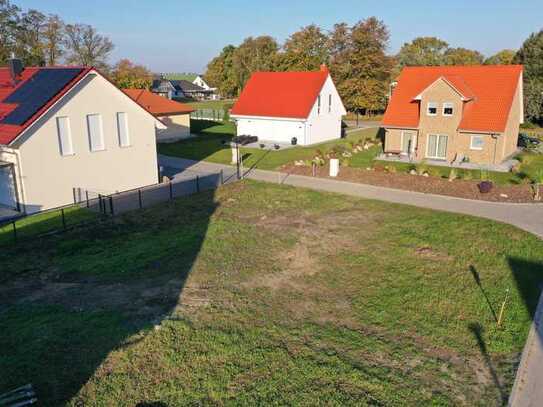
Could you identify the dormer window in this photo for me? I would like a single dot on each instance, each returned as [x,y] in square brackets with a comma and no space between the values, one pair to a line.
[448,109]
[432,109]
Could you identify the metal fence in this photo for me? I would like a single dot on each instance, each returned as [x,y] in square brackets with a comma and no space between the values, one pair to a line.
[208,114]
[91,206]
[150,195]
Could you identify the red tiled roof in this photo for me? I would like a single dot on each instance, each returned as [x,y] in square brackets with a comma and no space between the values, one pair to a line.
[280,94]
[157,105]
[489,88]
[9,132]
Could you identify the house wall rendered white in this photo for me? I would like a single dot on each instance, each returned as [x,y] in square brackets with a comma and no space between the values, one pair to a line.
[318,127]
[326,124]
[46,178]
[271,129]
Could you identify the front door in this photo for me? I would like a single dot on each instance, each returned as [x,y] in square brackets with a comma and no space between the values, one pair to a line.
[437,146]
[408,138]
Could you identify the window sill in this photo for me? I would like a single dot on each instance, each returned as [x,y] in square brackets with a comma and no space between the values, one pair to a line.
[476,149]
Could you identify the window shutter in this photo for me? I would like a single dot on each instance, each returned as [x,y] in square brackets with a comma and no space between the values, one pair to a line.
[64,136]
[96,136]
[122,129]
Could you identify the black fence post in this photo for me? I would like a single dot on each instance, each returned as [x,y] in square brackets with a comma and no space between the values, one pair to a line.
[111,205]
[197,183]
[222,177]
[140,198]
[100,203]
[87,196]
[63,218]
[171,191]
[14,231]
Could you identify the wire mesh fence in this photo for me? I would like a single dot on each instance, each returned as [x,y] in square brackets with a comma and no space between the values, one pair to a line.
[91,206]
[208,114]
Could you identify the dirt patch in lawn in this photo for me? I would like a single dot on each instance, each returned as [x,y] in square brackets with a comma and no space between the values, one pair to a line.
[431,185]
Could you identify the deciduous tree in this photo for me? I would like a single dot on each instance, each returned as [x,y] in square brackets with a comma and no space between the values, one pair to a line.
[426,51]
[53,39]
[463,56]
[85,46]
[531,56]
[305,50]
[504,57]
[254,54]
[126,74]
[220,73]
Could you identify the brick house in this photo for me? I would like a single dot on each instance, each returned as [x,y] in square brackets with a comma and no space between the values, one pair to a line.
[455,114]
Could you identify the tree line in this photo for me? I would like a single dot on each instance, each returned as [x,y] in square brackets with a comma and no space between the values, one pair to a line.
[46,40]
[357,58]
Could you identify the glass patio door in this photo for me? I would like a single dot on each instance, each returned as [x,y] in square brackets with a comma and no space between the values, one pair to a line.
[408,138]
[437,146]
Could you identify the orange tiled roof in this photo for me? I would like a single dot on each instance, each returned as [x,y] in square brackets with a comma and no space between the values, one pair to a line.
[280,94]
[490,90]
[157,105]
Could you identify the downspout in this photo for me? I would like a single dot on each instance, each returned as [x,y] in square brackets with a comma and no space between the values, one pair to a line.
[20,172]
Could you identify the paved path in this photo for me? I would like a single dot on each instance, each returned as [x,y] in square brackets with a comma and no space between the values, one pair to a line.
[528,388]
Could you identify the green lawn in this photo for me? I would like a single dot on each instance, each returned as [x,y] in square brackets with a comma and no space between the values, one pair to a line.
[208,104]
[264,294]
[209,147]
[34,225]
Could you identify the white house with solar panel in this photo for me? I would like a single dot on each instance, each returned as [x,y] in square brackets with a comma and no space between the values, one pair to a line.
[69,128]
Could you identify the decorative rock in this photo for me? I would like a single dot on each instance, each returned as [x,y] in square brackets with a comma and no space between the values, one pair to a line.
[504,196]
[368,168]
[425,174]
[413,172]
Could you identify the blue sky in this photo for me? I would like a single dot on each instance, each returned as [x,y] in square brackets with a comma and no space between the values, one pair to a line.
[183,35]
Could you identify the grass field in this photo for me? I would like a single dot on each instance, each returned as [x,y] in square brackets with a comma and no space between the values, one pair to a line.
[209,104]
[209,147]
[258,294]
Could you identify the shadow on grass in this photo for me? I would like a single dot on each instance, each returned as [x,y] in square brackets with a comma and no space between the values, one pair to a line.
[477,330]
[477,279]
[92,291]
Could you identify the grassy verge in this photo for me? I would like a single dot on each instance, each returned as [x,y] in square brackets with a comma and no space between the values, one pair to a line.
[259,294]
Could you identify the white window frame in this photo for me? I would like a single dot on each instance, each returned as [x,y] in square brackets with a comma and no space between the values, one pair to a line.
[126,142]
[102,146]
[472,147]
[435,157]
[66,149]
[431,105]
[445,106]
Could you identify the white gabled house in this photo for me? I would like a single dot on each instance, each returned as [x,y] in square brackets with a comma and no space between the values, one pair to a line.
[64,128]
[290,107]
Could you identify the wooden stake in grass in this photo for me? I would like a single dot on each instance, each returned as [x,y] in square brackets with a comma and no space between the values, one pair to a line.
[502,309]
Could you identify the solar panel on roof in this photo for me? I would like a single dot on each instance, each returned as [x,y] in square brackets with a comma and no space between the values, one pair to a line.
[36,92]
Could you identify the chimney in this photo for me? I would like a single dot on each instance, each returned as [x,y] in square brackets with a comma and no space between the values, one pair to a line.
[324,68]
[15,68]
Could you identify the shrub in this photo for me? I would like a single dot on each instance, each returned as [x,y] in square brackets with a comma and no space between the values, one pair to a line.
[528,125]
[468,175]
[485,187]
[453,174]
[484,175]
